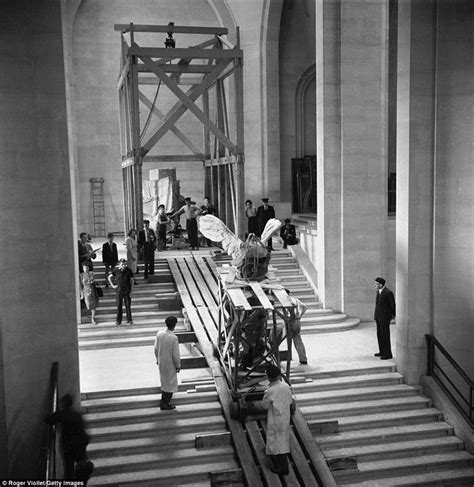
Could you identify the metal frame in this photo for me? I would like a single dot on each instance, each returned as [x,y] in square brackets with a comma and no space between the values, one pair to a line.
[203,68]
[464,401]
[233,318]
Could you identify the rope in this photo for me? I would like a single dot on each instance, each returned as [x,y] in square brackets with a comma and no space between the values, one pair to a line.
[147,123]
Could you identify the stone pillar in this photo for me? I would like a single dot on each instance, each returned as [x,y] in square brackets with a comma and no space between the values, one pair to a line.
[38,258]
[351,97]
[415,155]
[328,134]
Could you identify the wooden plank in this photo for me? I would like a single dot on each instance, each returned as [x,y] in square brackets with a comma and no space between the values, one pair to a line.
[179,68]
[209,299]
[301,463]
[262,297]
[163,53]
[175,158]
[220,161]
[283,298]
[271,479]
[211,440]
[181,29]
[238,299]
[180,285]
[194,291]
[209,323]
[242,448]
[226,477]
[186,336]
[182,81]
[208,277]
[290,479]
[193,363]
[312,449]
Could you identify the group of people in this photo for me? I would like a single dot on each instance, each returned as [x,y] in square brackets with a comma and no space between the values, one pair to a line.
[257,218]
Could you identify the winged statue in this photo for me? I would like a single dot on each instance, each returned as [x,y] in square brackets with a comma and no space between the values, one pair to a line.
[250,257]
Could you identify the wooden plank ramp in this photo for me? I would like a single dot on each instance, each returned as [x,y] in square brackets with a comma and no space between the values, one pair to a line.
[196,281]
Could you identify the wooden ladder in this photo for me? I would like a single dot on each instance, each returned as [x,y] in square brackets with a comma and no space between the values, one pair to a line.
[98,207]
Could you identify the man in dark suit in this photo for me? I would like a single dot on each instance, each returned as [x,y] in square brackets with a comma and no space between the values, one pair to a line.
[265,213]
[147,246]
[109,256]
[384,312]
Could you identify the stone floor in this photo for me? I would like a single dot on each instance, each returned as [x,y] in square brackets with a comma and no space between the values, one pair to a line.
[127,368]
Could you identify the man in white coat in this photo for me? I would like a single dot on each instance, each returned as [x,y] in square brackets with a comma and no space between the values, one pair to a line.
[278,401]
[168,361]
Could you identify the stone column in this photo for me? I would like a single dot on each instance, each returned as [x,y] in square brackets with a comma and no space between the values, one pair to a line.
[328,134]
[38,258]
[415,155]
[351,94]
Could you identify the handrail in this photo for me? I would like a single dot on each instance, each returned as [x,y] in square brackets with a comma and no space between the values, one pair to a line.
[434,367]
[51,435]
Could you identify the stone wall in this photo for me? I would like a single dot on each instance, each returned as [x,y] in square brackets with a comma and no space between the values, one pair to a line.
[454,200]
[296,58]
[38,258]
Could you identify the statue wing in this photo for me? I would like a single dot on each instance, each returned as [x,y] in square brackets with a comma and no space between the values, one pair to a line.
[270,228]
[217,231]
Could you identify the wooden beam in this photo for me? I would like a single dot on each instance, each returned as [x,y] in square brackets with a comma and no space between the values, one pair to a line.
[210,440]
[186,141]
[186,337]
[178,29]
[185,100]
[220,161]
[313,450]
[179,108]
[182,81]
[179,68]
[175,158]
[163,53]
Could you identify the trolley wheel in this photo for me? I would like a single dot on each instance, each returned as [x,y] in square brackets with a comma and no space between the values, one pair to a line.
[234,410]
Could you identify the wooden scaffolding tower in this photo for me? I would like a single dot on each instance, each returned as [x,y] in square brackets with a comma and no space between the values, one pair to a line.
[192,75]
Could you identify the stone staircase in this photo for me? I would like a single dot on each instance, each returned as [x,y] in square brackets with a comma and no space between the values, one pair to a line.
[378,431]
[316,319]
[134,442]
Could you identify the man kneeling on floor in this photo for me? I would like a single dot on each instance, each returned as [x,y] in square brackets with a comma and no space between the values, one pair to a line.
[168,361]
[279,403]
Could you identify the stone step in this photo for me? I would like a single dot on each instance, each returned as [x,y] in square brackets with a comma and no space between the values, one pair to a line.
[314,319]
[168,421]
[397,449]
[347,324]
[189,475]
[174,457]
[143,298]
[389,418]
[131,402]
[94,332]
[139,415]
[336,383]
[461,477]
[185,385]
[371,436]
[337,410]
[404,466]
[363,393]
[146,444]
